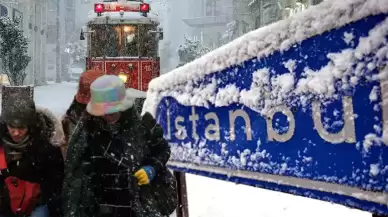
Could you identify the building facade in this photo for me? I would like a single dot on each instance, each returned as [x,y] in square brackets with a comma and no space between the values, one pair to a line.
[264,12]
[208,20]
[61,30]
[174,29]
[70,34]
[216,22]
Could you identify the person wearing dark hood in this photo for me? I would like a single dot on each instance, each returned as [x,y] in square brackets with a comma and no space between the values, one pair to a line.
[116,162]
[31,162]
[78,106]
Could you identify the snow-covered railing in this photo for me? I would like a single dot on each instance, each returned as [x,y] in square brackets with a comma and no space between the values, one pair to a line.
[299,106]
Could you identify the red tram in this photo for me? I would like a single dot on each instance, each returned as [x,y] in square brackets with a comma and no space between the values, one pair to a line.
[122,39]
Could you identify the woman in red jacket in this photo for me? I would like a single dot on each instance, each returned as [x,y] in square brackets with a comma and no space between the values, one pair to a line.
[31,165]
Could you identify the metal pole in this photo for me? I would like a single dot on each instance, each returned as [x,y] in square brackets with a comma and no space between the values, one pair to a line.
[377,215]
[34,47]
[58,47]
[183,205]
[43,24]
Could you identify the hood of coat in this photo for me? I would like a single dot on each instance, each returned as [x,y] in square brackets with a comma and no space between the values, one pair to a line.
[51,126]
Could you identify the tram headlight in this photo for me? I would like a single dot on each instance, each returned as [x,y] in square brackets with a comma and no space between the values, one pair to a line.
[123,77]
[127,28]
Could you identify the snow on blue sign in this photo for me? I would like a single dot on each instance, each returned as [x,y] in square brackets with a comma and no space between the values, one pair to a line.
[300,106]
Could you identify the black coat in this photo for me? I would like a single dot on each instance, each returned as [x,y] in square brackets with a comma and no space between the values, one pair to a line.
[41,163]
[104,183]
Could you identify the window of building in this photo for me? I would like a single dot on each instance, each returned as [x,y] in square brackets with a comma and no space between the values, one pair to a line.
[3,11]
[273,10]
[257,22]
[291,7]
[51,34]
[209,8]
[213,8]
[244,27]
[52,5]
[70,4]
[17,16]
[315,2]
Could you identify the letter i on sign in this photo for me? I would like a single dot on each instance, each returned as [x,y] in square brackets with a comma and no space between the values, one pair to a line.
[168,119]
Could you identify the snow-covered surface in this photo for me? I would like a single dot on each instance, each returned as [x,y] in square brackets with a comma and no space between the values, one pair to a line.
[266,40]
[136,93]
[56,97]
[76,71]
[213,198]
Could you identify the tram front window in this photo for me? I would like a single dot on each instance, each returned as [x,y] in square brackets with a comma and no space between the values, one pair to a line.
[124,40]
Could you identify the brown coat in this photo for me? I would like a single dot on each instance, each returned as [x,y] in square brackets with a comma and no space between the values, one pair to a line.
[69,122]
[53,125]
[67,129]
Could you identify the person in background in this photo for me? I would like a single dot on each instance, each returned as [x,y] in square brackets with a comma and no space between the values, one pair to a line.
[31,162]
[78,106]
[115,161]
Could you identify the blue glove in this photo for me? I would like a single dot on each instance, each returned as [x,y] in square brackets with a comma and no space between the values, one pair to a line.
[145,175]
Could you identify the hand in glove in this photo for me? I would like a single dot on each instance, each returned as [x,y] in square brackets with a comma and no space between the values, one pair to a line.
[145,175]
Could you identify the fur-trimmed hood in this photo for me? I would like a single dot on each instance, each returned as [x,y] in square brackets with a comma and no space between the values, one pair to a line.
[51,126]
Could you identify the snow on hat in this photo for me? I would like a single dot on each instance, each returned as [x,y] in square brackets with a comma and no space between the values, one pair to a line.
[86,79]
[108,95]
[19,111]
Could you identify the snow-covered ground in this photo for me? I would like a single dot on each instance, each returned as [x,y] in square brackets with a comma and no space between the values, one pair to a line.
[56,97]
[214,198]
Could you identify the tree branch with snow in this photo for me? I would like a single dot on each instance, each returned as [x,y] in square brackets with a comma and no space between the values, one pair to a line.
[77,51]
[13,50]
[191,50]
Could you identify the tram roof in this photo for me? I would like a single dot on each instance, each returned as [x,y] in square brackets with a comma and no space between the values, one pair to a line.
[126,18]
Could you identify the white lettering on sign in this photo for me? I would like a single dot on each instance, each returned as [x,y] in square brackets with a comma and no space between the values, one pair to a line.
[212,130]
[193,118]
[180,129]
[272,134]
[168,120]
[232,118]
[348,131]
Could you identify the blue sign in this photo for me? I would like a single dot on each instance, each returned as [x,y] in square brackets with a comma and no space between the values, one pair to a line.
[311,120]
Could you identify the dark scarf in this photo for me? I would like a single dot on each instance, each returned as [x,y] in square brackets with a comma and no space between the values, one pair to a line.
[16,150]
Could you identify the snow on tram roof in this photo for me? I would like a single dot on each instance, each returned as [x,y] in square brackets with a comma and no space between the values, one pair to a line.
[127,17]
